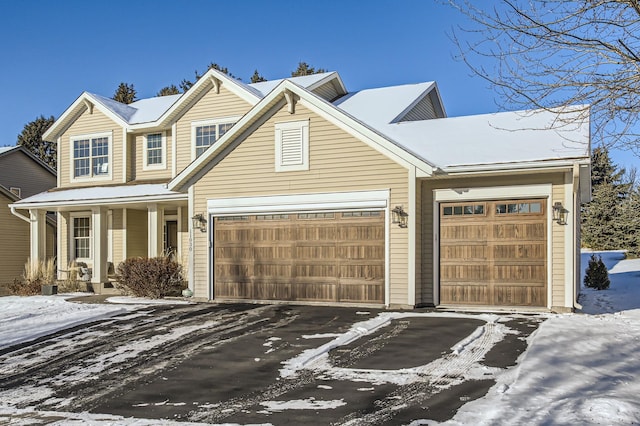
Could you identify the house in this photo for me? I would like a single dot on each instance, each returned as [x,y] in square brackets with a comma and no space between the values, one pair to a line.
[22,175]
[297,190]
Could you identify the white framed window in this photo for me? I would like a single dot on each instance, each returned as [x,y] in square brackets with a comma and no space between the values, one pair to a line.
[206,133]
[81,237]
[154,151]
[91,156]
[292,146]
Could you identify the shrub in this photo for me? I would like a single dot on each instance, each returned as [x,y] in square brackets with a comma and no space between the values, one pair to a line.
[72,282]
[596,274]
[154,277]
[34,278]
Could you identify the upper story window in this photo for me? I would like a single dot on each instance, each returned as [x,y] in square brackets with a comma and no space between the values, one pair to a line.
[90,155]
[292,146]
[206,133]
[154,151]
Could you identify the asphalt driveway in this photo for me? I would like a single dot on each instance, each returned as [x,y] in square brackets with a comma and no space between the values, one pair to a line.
[276,364]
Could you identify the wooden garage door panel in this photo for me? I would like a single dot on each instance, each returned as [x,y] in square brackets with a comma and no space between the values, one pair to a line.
[313,257]
[493,253]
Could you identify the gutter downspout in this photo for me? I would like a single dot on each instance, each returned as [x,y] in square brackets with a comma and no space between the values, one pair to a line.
[20,215]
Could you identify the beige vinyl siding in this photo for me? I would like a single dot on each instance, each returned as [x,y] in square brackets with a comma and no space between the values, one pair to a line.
[420,290]
[118,232]
[88,124]
[183,237]
[50,251]
[15,243]
[137,233]
[557,232]
[63,242]
[558,248]
[338,162]
[211,106]
[138,158]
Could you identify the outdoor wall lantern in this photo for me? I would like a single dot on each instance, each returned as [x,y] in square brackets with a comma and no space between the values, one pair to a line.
[399,216]
[559,213]
[199,222]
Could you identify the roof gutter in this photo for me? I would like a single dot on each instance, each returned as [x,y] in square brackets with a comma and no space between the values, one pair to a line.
[510,167]
[20,215]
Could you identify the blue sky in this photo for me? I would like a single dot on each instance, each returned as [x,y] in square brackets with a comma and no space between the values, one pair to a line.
[54,50]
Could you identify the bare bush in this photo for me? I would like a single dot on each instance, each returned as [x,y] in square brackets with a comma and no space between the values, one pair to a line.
[154,277]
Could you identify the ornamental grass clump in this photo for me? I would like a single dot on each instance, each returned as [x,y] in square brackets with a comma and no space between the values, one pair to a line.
[34,277]
[596,275]
[154,277]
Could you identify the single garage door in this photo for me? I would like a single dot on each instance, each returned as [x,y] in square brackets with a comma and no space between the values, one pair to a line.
[493,253]
[320,257]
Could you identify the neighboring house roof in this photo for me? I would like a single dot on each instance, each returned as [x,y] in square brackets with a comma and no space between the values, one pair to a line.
[161,110]
[7,150]
[107,194]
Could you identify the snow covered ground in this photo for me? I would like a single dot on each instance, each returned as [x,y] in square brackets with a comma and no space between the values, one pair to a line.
[579,368]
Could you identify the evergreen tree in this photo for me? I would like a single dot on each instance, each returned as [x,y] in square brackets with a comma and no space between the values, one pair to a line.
[187,84]
[596,275]
[306,69]
[257,78]
[168,90]
[31,139]
[125,93]
[604,219]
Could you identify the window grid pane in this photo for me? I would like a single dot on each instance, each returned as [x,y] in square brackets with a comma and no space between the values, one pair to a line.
[81,158]
[81,237]
[154,149]
[205,137]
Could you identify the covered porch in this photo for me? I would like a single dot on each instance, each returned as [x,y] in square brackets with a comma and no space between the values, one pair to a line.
[102,226]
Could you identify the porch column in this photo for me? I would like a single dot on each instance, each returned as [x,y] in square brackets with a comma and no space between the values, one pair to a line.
[99,244]
[155,223]
[38,236]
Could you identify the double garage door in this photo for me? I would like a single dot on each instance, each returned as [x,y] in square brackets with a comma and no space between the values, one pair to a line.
[494,253]
[321,256]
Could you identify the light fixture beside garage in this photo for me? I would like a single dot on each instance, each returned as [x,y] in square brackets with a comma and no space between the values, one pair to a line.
[399,216]
[559,213]
[199,222]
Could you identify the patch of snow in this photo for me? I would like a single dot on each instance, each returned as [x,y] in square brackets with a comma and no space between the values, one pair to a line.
[320,335]
[579,368]
[303,404]
[23,319]
[326,387]
[130,300]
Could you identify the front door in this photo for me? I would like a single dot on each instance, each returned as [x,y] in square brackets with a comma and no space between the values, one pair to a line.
[171,238]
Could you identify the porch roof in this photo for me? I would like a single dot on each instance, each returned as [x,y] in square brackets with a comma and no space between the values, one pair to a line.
[103,195]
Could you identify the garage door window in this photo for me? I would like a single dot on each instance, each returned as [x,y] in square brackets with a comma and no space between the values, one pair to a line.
[272,217]
[519,208]
[316,215]
[233,218]
[463,210]
[361,214]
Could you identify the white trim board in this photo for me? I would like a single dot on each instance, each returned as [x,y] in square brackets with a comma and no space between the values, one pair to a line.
[302,202]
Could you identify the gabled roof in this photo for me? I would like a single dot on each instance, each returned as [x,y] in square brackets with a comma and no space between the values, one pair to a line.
[8,150]
[385,105]
[275,100]
[162,110]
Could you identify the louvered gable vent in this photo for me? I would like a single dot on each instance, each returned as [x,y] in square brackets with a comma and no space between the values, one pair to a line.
[292,146]
[291,153]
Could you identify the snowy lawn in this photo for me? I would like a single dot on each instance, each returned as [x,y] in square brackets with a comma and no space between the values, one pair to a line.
[579,368]
[38,316]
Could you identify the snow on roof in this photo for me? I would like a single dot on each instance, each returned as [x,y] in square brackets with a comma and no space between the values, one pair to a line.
[90,195]
[150,109]
[507,137]
[380,106]
[125,112]
[264,87]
